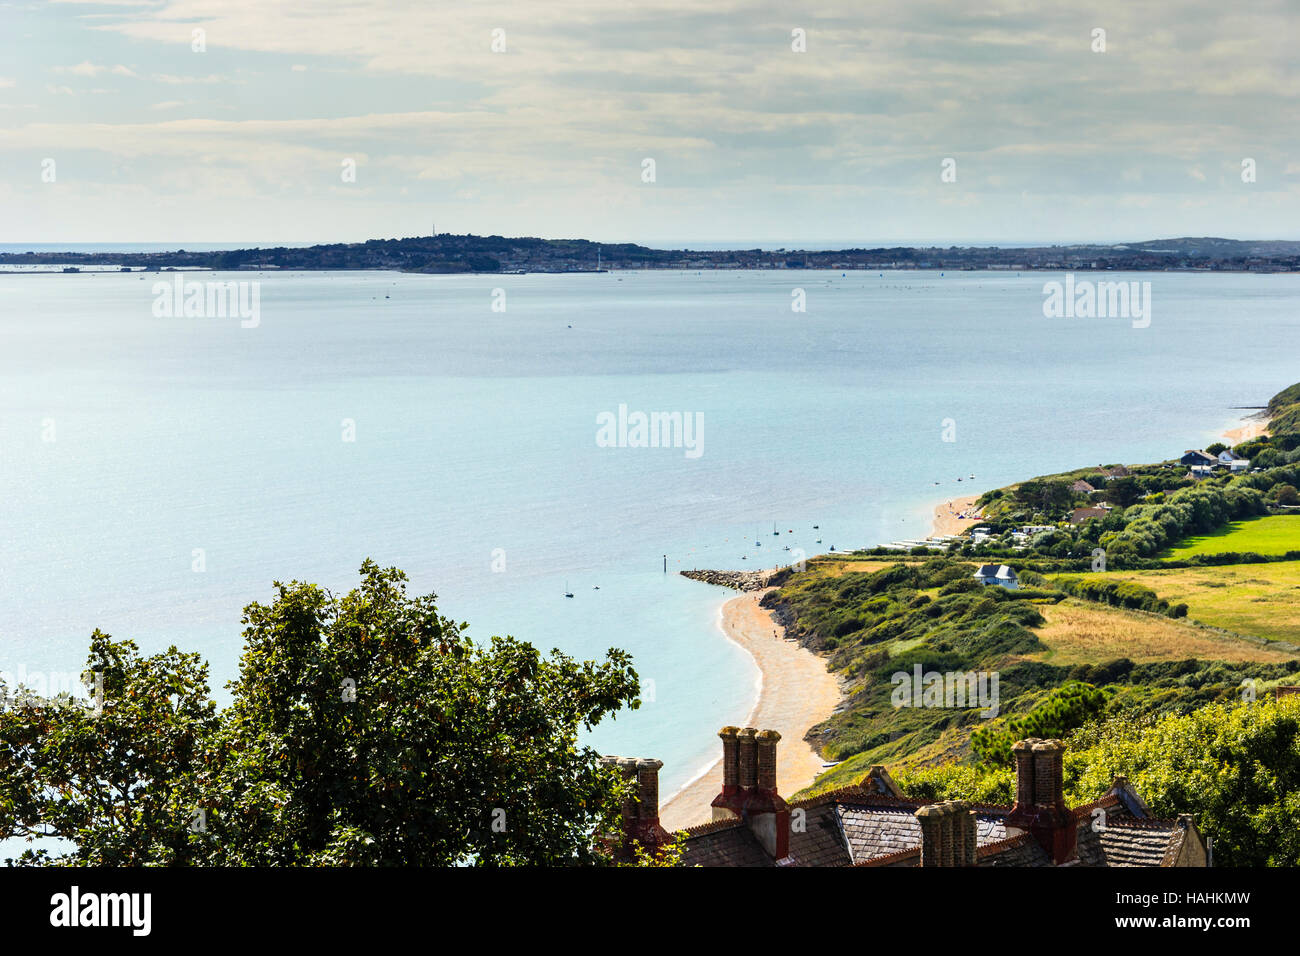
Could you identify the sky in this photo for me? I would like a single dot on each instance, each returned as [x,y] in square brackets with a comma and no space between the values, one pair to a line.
[787,122]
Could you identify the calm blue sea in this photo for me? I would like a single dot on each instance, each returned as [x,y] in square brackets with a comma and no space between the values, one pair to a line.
[128,441]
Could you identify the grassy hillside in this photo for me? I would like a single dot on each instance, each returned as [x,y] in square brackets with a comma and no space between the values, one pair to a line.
[1080,632]
[1109,658]
[1262,600]
[875,624]
[1272,535]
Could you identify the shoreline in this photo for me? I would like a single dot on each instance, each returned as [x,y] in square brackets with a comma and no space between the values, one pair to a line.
[1251,426]
[795,692]
[946,519]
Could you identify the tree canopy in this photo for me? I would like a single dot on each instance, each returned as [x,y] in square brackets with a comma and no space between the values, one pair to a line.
[363,730]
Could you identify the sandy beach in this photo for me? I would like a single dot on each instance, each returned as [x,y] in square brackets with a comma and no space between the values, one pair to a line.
[946,520]
[797,693]
[1250,427]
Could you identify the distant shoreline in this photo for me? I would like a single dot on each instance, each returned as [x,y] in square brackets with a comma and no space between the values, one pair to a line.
[446,254]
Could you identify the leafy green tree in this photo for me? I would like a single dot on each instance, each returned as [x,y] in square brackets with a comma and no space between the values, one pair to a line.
[1068,706]
[113,787]
[1234,767]
[1285,494]
[364,730]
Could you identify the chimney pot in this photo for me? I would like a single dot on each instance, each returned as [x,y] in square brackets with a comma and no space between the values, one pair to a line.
[1023,810]
[647,785]
[730,759]
[746,758]
[931,820]
[765,775]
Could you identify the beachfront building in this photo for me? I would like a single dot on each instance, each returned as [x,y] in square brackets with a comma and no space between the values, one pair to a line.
[1198,457]
[873,823]
[996,574]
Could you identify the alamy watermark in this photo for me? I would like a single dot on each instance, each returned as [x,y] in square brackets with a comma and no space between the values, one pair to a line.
[626,429]
[28,689]
[180,299]
[953,689]
[1085,299]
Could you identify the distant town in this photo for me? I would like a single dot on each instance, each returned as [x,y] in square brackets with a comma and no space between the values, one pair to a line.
[445,253]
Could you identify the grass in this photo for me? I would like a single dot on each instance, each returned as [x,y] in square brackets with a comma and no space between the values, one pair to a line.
[835,567]
[1275,534]
[1262,600]
[1080,632]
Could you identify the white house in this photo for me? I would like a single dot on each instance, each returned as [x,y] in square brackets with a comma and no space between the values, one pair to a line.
[996,574]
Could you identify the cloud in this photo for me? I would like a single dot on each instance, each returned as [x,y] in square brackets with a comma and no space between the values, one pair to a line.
[86,68]
[735,118]
[174,80]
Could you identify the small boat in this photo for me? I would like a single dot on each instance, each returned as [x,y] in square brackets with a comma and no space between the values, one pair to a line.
[816,526]
[595,587]
[787,547]
[819,540]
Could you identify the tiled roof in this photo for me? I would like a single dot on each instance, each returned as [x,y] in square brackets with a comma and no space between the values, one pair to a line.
[852,826]
[821,842]
[878,829]
[1018,851]
[723,844]
[1129,843]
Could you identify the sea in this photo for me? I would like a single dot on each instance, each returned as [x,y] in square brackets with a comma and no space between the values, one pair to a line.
[158,472]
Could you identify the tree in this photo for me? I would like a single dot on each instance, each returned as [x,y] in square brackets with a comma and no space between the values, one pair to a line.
[1234,767]
[1285,494]
[1123,491]
[364,730]
[1217,447]
[116,785]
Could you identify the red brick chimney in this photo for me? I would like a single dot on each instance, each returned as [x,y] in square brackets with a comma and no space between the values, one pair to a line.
[766,813]
[948,834]
[729,802]
[640,823]
[1040,797]
[749,787]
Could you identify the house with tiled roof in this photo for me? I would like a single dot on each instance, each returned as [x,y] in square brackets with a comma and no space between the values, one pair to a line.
[872,823]
[998,574]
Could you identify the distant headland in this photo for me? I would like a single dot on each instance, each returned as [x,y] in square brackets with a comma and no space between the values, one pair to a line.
[448,254]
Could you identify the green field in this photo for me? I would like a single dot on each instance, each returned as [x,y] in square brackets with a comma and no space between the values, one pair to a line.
[1262,600]
[1276,534]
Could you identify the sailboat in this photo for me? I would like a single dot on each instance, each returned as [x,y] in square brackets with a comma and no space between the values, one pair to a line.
[774,531]
[567,592]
